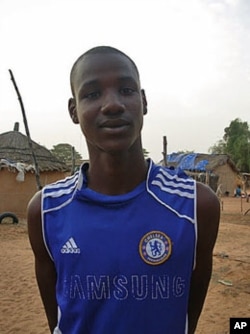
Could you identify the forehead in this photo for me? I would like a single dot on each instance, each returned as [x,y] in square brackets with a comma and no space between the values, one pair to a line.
[95,67]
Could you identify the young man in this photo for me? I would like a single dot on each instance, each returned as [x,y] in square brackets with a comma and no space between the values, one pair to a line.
[123,246]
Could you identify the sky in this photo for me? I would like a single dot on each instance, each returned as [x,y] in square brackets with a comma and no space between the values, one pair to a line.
[193,57]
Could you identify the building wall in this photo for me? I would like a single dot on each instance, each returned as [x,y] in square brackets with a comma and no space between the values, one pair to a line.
[227,178]
[15,195]
[223,177]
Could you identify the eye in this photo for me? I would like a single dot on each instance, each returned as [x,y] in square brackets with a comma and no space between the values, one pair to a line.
[92,95]
[127,91]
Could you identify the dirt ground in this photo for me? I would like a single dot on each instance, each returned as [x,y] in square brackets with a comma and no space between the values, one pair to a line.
[21,310]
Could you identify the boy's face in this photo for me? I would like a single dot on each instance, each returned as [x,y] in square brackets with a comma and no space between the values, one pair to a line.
[109,103]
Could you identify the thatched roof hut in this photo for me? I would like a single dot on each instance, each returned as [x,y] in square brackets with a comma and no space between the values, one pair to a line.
[17,171]
[14,147]
[217,170]
[200,162]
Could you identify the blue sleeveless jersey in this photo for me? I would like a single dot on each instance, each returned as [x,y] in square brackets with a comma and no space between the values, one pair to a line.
[123,263]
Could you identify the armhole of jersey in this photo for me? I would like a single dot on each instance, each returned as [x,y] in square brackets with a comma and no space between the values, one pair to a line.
[195,223]
[186,326]
[57,329]
[43,228]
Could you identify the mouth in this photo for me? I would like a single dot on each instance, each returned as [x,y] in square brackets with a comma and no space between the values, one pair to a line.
[114,124]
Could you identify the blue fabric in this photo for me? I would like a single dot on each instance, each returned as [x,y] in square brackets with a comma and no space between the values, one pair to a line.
[201,165]
[183,161]
[187,161]
[175,157]
[98,244]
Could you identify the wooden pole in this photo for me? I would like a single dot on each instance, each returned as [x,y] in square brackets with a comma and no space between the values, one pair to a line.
[73,159]
[27,131]
[164,151]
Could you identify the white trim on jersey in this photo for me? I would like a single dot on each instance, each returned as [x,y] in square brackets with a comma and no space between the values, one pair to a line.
[57,329]
[181,193]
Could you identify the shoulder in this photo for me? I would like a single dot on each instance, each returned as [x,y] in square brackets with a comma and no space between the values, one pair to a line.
[34,207]
[57,194]
[174,189]
[34,222]
[63,185]
[208,215]
[170,176]
[208,204]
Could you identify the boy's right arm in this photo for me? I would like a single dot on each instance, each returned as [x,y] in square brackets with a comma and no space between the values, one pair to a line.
[44,266]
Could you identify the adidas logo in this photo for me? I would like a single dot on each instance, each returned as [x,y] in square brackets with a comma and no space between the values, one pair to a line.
[70,247]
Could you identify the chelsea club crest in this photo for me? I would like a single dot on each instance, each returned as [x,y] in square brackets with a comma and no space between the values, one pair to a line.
[155,247]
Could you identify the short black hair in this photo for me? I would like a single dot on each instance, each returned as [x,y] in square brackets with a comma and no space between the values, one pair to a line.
[98,50]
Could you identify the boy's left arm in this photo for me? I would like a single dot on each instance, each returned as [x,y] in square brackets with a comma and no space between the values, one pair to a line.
[208,217]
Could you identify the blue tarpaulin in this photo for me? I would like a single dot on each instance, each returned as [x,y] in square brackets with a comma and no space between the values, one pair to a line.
[201,165]
[187,161]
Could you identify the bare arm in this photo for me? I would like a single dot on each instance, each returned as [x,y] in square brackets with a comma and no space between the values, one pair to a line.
[208,216]
[44,266]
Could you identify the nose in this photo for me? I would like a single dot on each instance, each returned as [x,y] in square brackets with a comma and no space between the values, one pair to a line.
[112,103]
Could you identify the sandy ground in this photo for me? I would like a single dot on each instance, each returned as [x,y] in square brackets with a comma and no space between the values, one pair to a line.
[21,310]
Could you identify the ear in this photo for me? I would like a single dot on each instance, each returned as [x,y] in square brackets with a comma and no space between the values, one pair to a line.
[72,110]
[144,101]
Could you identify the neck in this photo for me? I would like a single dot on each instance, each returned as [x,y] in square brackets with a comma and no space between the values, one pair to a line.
[116,174]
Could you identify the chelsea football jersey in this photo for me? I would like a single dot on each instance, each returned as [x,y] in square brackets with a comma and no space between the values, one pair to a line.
[124,262]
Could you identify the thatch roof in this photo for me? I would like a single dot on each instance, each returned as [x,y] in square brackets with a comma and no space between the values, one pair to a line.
[200,162]
[14,147]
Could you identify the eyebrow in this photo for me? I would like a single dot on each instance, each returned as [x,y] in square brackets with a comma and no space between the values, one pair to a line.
[130,79]
[94,82]
[127,78]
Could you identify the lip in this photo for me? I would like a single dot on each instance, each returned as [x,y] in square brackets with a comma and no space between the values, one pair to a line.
[114,123]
